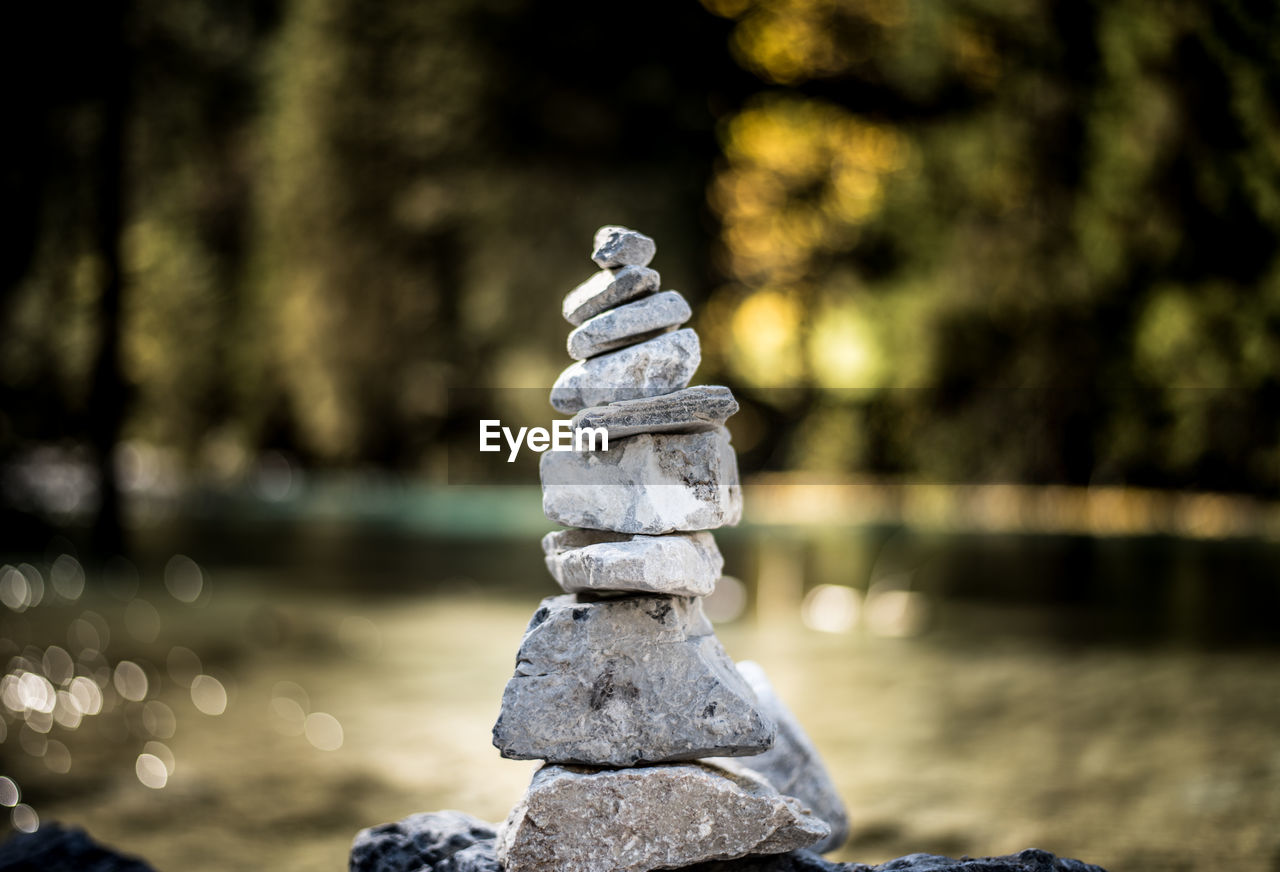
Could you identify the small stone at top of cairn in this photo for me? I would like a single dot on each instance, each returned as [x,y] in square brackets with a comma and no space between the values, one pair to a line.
[621,685]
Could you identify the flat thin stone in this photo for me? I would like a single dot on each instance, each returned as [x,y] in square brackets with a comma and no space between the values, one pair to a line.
[793,765]
[681,564]
[662,817]
[478,846]
[650,484]
[619,246]
[692,410]
[629,324]
[607,289]
[616,682]
[657,366]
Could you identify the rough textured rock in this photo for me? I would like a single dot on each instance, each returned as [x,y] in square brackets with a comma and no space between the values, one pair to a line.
[682,564]
[619,246]
[481,845]
[645,484]
[655,366]
[616,682]
[580,820]
[792,765]
[692,410]
[628,324]
[424,841]
[606,289]
[55,848]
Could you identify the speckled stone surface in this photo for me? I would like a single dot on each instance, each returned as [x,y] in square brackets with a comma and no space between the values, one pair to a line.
[692,410]
[606,289]
[682,564]
[621,681]
[792,765]
[580,820]
[619,246]
[628,324]
[442,841]
[645,484]
[646,369]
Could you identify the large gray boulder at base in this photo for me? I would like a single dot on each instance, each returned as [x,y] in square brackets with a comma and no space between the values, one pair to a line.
[656,366]
[680,564]
[792,765]
[650,484]
[616,682]
[473,846]
[660,817]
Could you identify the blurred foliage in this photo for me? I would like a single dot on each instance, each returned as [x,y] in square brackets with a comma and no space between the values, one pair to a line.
[1041,236]
[1028,241]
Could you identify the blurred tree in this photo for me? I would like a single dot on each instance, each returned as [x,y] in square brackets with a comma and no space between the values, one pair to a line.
[1041,235]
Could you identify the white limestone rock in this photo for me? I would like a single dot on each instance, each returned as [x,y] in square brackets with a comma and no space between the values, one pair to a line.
[649,484]
[625,681]
[656,366]
[793,765]
[661,817]
[621,246]
[680,564]
[607,289]
[692,410]
[629,324]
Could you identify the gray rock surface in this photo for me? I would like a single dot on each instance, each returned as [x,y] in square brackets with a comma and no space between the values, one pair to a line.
[692,410]
[426,841]
[616,682]
[581,820]
[645,484]
[682,564]
[607,289]
[55,848]
[655,366]
[479,843]
[792,765]
[619,246]
[628,324]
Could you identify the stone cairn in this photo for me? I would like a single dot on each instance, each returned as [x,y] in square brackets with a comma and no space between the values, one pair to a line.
[659,752]
[621,685]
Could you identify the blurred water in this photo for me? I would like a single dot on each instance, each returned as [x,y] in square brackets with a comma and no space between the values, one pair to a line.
[254,691]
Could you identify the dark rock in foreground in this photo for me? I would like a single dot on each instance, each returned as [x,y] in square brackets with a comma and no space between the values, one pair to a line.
[54,848]
[450,841]
[442,841]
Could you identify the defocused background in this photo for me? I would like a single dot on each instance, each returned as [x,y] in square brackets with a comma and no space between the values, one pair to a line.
[997,284]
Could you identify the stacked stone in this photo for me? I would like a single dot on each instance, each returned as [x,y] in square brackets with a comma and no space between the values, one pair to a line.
[621,685]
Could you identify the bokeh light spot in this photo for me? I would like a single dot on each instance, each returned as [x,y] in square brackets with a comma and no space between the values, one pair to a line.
[9,792]
[183,664]
[727,602]
[831,608]
[183,578]
[151,771]
[24,818]
[323,731]
[208,695]
[67,577]
[57,757]
[130,681]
